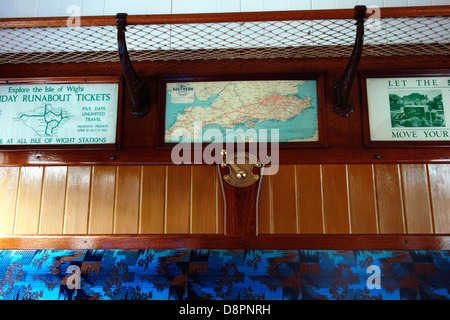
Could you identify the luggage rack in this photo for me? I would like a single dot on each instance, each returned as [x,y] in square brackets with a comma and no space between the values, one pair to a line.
[404,31]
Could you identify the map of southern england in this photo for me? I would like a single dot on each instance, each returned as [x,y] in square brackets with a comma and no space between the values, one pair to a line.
[289,106]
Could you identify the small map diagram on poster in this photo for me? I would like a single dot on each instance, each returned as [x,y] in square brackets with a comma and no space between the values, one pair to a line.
[44,120]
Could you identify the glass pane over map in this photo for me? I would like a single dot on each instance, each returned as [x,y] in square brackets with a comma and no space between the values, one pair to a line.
[248,110]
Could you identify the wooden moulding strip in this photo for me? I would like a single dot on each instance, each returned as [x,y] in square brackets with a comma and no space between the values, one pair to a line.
[261,242]
[149,156]
[394,12]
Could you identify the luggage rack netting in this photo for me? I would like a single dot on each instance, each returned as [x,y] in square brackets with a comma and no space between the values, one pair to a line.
[319,38]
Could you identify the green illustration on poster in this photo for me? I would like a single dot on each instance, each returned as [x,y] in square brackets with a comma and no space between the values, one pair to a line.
[417,108]
[45,120]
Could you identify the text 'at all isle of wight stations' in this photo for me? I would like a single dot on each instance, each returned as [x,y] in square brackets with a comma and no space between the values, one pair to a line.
[41,114]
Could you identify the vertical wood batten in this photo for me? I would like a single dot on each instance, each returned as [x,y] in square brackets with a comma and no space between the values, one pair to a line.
[126,209]
[203,199]
[219,204]
[153,180]
[9,182]
[78,190]
[416,193]
[101,208]
[389,198]
[284,200]
[178,199]
[439,177]
[335,200]
[265,206]
[28,200]
[53,200]
[363,213]
[309,199]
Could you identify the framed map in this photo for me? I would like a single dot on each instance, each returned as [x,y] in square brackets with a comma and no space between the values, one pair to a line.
[243,109]
[60,112]
[409,108]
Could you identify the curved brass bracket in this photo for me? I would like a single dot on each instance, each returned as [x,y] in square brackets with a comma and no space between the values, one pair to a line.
[138,91]
[345,84]
[241,168]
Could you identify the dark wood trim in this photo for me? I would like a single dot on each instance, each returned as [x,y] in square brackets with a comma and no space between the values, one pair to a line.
[261,242]
[140,156]
[226,66]
[394,12]
[63,80]
[240,206]
[45,22]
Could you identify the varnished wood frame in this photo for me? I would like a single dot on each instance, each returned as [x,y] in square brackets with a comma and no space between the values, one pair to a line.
[72,80]
[318,77]
[363,76]
[211,242]
[389,12]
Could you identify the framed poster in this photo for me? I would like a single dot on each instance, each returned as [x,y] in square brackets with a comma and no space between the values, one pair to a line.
[406,108]
[243,109]
[60,113]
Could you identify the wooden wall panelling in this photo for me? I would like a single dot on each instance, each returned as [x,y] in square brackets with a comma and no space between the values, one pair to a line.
[309,199]
[284,200]
[439,176]
[389,198]
[53,200]
[76,209]
[305,199]
[178,198]
[28,200]
[265,218]
[362,201]
[219,205]
[416,195]
[9,182]
[126,208]
[203,202]
[335,199]
[153,188]
[101,208]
